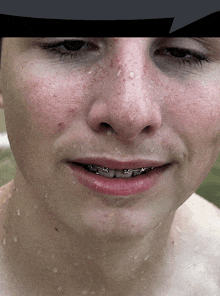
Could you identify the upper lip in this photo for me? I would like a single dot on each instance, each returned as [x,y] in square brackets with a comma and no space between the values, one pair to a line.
[119,165]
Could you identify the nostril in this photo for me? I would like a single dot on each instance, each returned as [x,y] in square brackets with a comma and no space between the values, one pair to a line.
[105,126]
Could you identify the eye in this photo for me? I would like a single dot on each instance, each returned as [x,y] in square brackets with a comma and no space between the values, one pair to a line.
[71,48]
[182,56]
[77,45]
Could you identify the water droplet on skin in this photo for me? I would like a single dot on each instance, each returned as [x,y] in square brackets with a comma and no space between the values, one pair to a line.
[84,292]
[18,212]
[135,257]
[131,75]
[59,289]
[146,258]
[53,256]
[109,133]
[89,72]
[4,240]
[118,72]
[55,269]
[89,257]
[36,207]
[178,229]
[46,195]
[15,239]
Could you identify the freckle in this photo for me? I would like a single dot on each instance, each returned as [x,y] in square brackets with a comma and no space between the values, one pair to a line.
[56,229]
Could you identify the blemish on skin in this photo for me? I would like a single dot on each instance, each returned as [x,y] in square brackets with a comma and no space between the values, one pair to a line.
[56,229]
[61,126]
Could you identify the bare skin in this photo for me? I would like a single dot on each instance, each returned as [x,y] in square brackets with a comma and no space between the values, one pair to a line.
[125,99]
[192,269]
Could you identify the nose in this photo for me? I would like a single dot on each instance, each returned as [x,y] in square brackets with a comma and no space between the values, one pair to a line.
[125,100]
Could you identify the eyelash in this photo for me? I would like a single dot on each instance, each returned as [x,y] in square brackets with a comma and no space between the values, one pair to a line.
[196,59]
[54,48]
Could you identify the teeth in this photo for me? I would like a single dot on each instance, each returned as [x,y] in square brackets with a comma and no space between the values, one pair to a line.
[110,173]
[123,173]
[106,172]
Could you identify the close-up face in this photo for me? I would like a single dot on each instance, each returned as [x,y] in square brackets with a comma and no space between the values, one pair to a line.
[121,104]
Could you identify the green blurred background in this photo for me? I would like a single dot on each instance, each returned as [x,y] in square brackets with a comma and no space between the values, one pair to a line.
[209,189]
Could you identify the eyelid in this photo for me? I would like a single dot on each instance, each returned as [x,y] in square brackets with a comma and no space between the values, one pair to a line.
[191,44]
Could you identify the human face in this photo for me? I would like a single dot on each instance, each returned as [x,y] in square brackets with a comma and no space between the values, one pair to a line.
[119,99]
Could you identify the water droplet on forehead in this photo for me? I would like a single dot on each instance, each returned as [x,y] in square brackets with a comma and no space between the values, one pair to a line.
[59,289]
[15,239]
[109,133]
[18,212]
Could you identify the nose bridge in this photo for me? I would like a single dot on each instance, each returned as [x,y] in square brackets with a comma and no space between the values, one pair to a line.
[127,103]
[130,85]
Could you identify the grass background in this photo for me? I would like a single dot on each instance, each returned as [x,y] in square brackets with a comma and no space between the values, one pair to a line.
[209,189]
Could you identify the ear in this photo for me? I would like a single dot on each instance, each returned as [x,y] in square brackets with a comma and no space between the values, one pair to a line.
[1,96]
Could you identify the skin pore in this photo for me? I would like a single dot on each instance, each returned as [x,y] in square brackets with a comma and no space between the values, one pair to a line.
[123,99]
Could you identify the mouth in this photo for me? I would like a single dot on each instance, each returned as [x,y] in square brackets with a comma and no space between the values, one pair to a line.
[118,181]
[115,173]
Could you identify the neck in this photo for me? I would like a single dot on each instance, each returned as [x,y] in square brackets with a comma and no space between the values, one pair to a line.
[81,263]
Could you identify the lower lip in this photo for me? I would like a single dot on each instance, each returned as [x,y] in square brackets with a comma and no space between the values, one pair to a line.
[118,186]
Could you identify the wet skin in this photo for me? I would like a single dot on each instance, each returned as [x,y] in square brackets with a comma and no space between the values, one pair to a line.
[123,99]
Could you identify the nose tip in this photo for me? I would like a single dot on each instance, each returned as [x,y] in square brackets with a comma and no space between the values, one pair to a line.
[127,123]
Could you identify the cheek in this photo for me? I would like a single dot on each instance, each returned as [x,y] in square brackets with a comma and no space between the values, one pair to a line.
[195,109]
[50,104]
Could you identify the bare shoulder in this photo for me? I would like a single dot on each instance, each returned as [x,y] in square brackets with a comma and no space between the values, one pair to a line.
[197,239]
[203,213]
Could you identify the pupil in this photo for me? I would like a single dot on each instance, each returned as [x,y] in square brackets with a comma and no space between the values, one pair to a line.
[180,53]
[73,45]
